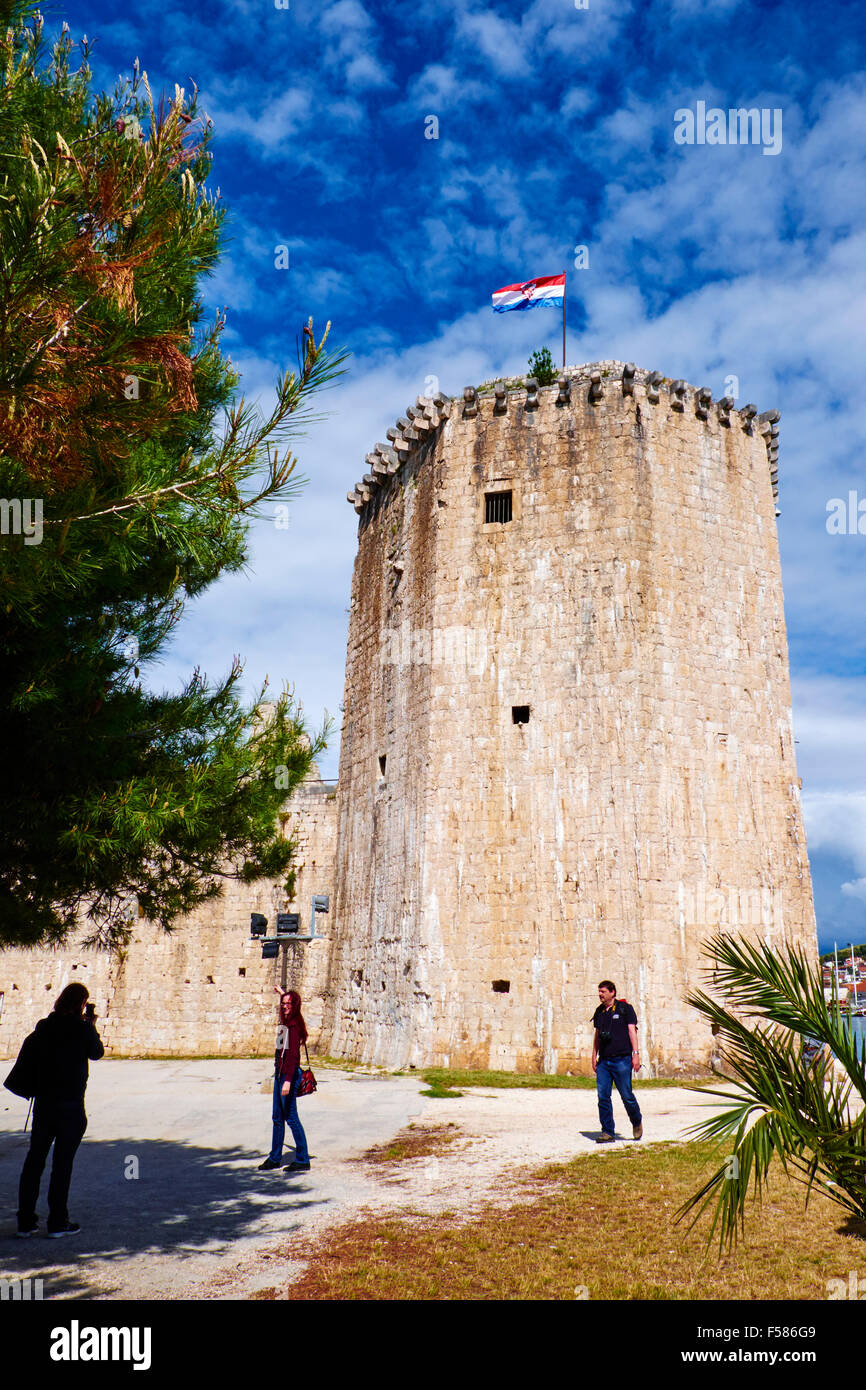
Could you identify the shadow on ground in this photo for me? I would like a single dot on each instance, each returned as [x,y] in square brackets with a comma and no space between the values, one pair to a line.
[853,1226]
[185,1200]
[593,1134]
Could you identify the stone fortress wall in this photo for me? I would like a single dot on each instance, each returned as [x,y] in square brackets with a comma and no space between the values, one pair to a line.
[566,753]
[566,735]
[204,990]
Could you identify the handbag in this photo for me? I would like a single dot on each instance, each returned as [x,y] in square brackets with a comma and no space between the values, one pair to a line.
[28,1072]
[308,1081]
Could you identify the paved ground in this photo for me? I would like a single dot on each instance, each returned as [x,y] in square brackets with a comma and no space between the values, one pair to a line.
[200,1222]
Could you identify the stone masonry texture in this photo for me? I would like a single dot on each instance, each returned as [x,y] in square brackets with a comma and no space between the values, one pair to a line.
[203,990]
[491,872]
[486,869]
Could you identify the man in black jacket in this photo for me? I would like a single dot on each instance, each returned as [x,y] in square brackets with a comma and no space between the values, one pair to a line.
[67,1038]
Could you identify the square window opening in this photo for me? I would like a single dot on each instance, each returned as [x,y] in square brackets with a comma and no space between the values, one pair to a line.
[497,507]
[520,714]
[501,986]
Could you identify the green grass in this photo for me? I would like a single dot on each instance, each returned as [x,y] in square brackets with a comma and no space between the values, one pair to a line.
[444,1083]
[188,1057]
[444,1080]
[418,1141]
[438,1091]
[511,383]
[604,1224]
[346,1064]
[267,1057]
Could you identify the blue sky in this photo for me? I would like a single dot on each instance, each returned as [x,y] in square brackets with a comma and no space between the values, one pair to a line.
[555,129]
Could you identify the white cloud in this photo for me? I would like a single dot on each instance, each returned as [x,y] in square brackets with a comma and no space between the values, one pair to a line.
[585,37]
[441,87]
[630,126]
[830,727]
[286,615]
[836,823]
[345,18]
[704,8]
[784,310]
[272,124]
[351,44]
[364,71]
[499,40]
[576,102]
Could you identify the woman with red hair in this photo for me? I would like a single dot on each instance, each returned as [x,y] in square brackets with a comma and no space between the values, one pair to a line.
[291,1034]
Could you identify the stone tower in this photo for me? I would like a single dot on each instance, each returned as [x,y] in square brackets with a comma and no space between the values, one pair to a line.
[567,750]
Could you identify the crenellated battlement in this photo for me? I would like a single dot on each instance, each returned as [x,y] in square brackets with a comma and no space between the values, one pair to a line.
[596,382]
[566,721]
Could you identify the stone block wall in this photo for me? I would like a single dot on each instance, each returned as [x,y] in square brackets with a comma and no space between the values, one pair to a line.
[566,755]
[491,871]
[203,990]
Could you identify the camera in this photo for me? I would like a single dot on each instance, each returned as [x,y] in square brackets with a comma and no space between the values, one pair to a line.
[89,1012]
[604,1036]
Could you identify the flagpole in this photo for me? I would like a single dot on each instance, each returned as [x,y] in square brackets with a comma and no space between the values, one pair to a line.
[566,273]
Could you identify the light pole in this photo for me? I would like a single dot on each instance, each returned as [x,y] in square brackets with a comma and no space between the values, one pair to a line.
[287,929]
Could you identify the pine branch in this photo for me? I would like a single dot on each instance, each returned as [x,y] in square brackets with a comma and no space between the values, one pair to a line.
[112,791]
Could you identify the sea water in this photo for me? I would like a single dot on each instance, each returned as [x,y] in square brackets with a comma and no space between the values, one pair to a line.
[858,1026]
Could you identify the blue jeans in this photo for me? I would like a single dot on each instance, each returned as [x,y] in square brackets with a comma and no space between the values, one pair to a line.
[615,1071]
[285,1112]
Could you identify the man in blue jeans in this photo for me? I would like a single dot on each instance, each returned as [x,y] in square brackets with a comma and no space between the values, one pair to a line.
[614,1054]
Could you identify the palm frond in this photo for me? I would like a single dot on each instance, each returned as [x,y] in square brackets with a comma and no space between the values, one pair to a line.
[787,1105]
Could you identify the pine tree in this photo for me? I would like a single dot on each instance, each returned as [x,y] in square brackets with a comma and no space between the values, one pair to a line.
[128,476]
[541,367]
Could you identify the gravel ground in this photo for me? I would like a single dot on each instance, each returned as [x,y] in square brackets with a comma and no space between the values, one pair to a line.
[199,1221]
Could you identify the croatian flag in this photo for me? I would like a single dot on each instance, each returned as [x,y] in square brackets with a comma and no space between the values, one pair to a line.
[544,290]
